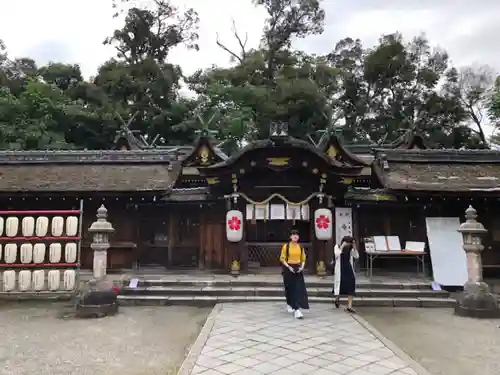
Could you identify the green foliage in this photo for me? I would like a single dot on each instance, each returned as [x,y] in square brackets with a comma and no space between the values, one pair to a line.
[373,94]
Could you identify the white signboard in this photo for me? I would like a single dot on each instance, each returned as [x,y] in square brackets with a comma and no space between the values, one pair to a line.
[277,211]
[304,212]
[343,223]
[262,212]
[393,243]
[449,262]
[250,208]
[292,212]
[380,243]
[415,246]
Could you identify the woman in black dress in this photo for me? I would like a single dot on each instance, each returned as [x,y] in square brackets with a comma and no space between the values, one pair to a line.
[345,277]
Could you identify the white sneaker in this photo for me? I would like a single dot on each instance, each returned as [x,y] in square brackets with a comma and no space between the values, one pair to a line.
[289,309]
[298,314]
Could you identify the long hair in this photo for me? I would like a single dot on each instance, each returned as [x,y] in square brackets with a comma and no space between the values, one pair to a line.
[346,239]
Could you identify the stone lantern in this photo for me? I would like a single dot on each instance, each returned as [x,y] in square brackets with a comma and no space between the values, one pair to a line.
[100,229]
[476,300]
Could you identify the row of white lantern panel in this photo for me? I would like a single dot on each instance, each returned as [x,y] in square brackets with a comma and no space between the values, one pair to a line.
[323,225]
[39,227]
[34,281]
[36,253]
[278,211]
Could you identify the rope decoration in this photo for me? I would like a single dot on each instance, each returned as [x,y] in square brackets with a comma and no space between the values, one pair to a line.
[277,195]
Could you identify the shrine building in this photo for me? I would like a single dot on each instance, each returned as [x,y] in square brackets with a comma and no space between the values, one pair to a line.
[196,207]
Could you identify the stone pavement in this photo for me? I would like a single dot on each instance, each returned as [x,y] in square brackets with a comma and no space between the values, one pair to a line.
[262,338]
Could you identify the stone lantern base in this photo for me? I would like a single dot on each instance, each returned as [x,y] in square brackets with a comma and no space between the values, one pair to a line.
[477,302]
[98,301]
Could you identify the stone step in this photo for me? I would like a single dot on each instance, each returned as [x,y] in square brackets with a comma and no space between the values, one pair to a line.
[271,291]
[154,300]
[276,282]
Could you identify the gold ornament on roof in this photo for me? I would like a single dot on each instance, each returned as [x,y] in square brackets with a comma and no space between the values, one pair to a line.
[332,152]
[204,154]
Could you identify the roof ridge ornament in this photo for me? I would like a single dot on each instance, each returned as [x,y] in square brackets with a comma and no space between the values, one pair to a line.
[278,130]
[134,138]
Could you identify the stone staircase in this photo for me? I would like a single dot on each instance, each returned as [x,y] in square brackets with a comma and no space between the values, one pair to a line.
[199,292]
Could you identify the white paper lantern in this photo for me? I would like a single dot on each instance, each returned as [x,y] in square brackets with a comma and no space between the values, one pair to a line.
[323,224]
[39,252]
[54,280]
[24,281]
[28,226]
[69,279]
[10,251]
[234,225]
[12,226]
[9,280]
[71,226]
[1,225]
[38,281]
[42,226]
[70,252]
[55,250]
[57,226]
[26,253]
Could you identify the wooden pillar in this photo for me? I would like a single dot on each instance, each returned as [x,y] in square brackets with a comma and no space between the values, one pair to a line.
[202,240]
[357,237]
[316,244]
[172,224]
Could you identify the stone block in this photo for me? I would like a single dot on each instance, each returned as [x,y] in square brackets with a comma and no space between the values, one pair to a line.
[477,302]
[407,302]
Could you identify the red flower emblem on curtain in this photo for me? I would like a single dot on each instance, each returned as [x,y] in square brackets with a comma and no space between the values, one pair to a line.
[234,223]
[322,222]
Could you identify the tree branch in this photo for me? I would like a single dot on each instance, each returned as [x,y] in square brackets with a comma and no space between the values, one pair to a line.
[243,54]
[243,45]
[228,50]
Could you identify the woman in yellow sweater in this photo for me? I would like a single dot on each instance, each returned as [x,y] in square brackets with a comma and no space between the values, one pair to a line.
[293,260]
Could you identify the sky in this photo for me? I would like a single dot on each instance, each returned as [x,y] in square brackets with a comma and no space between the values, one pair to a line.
[73,30]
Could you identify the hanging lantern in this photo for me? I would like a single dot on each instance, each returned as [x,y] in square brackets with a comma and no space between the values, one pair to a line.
[323,224]
[9,280]
[234,226]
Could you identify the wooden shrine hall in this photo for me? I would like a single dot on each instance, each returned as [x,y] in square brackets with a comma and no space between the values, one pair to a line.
[196,207]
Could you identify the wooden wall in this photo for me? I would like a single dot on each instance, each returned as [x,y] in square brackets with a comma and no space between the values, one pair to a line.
[124,242]
[213,244]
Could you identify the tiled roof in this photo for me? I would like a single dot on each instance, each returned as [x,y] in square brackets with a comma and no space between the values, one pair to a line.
[86,177]
[439,170]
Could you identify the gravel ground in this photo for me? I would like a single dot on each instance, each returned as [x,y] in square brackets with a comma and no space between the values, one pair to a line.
[441,342]
[138,341]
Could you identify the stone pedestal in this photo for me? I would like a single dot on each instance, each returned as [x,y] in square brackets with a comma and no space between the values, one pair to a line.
[100,229]
[97,301]
[100,263]
[475,301]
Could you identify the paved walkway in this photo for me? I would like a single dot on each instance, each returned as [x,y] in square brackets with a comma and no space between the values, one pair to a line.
[262,338]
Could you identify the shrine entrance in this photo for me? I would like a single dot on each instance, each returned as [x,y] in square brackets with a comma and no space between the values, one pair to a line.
[268,228]
[277,185]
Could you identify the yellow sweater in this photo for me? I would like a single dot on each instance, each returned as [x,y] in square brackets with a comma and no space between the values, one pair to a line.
[295,254]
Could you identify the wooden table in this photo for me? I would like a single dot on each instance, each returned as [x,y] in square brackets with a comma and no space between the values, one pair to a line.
[372,255]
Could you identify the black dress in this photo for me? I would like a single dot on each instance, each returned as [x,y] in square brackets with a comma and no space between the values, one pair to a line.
[347,277]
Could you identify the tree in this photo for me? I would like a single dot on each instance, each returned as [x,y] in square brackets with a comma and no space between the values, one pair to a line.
[29,121]
[140,79]
[272,83]
[288,19]
[472,88]
[353,100]
[392,87]
[63,76]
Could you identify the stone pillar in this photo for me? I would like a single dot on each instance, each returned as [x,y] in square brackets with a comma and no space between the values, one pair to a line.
[100,229]
[476,300]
